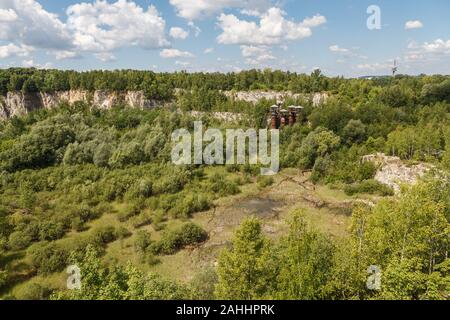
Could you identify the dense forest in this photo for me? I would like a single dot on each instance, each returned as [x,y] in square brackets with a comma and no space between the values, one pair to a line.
[75,180]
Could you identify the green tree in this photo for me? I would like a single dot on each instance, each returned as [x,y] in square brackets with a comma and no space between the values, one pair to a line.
[246,271]
[306,263]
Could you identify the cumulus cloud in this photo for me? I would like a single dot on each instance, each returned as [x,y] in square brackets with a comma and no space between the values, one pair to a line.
[413,24]
[103,26]
[32,64]
[27,22]
[12,50]
[208,50]
[273,28]
[105,56]
[99,27]
[178,33]
[437,46]
[175,53]
[65,54]
[256,55]
[195,9]
[434,51]
[8,15]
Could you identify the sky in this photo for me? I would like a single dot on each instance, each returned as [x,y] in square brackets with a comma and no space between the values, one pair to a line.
[348,38]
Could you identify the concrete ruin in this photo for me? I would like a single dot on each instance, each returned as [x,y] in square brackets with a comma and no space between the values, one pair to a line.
[280,117]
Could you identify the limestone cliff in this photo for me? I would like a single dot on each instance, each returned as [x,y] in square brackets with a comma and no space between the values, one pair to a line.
[254,96]
[18,103]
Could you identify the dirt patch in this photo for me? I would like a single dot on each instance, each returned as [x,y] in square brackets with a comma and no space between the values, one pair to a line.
[259,207]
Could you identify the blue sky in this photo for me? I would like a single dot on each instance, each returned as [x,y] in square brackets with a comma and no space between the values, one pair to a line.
[227,35]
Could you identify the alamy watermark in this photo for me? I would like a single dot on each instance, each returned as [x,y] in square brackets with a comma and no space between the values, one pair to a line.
[374,20]
[374,279]
[74,278]
[259,150]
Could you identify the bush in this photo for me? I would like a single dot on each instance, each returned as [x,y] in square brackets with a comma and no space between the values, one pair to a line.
[49,230]
[265,181]
[172,241]
[19,240]
[103,235]
[142,241]
[190,204]
[47,257]
[370,187]
[221,186]
[34,291]
[141,220]
[3,278]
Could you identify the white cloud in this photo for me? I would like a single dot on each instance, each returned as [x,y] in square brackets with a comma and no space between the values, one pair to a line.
[373,67]
[26,22]
[65,54]
[105,56]
[175,53]
[194,27]
[103,26]
[99,27]
[208,50]
[8,15]
[335,48]
[11,50]
[32,64]
[256,55]
[178,33]
[195,9]
[437,46]
[272,29]
[414,24]
[182,63]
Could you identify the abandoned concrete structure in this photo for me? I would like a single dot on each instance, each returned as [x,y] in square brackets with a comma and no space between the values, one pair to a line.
[282,117]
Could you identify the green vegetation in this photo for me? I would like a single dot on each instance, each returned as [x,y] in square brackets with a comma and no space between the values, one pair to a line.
[98,188]
[406,237]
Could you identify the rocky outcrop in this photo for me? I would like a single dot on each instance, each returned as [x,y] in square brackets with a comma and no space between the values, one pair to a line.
[222,116]
[18,103]
[280,96]
[394,172]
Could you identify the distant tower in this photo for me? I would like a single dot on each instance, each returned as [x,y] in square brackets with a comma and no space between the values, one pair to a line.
[394,68]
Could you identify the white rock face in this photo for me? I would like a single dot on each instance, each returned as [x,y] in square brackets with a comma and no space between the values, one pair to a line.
[393,172]
[280,96]
[17,103]
[222,116]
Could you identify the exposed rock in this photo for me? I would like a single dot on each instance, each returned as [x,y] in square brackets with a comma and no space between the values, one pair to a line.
[394,172]
[18,103]
[222,116]
[280,96]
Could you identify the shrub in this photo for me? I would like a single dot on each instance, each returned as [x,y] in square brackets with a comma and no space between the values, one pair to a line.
[49,230]
[172,241]
[142,241]
[265,181]
[222,187]
[141,220]
[19,240]
[47,257]
[369,186]
[103,235]
[190,204]
[3,278]
[34,291]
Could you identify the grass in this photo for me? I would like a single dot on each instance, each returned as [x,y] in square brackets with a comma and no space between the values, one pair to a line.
[287,192]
